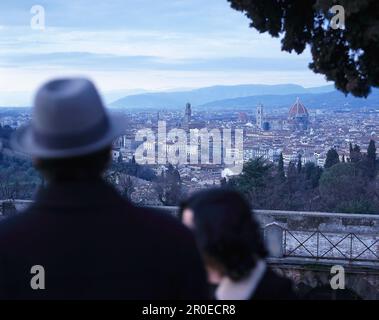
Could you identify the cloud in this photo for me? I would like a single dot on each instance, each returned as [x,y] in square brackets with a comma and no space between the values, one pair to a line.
[109,62]
[148,44]
[169,15]
[169,45]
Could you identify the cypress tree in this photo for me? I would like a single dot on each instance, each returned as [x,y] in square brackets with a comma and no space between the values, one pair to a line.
[299,164]
[332,158]
[371,159]
[356,154]
[281,173]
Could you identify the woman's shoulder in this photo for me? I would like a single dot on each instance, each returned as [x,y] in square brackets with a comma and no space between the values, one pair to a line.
[274,287]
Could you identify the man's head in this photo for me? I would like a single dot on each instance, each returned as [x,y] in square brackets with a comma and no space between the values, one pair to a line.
[71,134]
[88,167]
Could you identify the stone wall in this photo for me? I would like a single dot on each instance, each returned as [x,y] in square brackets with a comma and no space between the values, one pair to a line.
[292,220]
[312,281]
[9,207]
[328,222]
[308,221]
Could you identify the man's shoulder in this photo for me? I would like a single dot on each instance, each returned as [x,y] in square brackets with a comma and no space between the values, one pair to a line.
[12,225]
[160,220]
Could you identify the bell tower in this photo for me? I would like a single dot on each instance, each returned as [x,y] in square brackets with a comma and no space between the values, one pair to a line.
[259,116]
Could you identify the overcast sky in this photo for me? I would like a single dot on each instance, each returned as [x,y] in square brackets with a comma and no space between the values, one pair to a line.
[129,45]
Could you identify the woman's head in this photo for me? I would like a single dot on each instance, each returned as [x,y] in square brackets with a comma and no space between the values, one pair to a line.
[227,234]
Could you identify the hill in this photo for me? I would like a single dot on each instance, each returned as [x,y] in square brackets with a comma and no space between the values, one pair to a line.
[334,99]
[203,96]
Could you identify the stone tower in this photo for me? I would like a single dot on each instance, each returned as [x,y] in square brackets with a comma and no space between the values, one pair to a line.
[259,116]
[188,113]
[187,117]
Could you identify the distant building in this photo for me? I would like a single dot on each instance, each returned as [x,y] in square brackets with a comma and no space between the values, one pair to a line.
[187,116]
[187,122]
[115,155]
[261,152]
[298,116]
[266,126]
[276,124]
[259,116]
[242,117]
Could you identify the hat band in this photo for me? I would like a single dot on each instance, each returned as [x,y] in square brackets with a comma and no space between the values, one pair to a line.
[73,140]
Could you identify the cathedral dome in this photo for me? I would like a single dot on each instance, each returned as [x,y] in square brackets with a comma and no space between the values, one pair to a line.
[298,110]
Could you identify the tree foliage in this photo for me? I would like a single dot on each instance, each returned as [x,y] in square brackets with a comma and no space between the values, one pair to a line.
[345,190]
[371,160]
[355,154]
[347,56]
[332,158]
[169,186]
[281,174]
[132,168]
[342,187]
[18,178]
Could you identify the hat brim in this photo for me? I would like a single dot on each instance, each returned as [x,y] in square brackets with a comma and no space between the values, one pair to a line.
[23,141]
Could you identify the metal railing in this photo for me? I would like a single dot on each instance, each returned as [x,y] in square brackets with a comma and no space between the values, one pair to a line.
[337,246]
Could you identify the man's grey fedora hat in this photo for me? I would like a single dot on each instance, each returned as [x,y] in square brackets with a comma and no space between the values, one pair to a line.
[69,120]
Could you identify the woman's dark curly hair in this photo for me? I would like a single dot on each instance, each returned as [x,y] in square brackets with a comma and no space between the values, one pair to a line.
[226,231]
